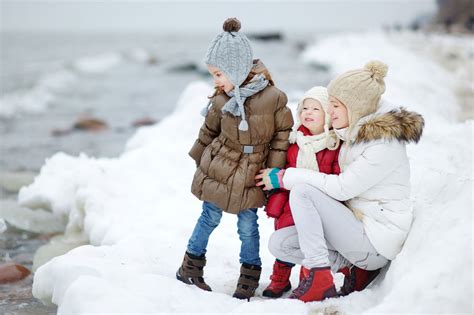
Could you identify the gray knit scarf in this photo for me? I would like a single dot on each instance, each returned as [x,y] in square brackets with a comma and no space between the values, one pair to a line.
[235,105]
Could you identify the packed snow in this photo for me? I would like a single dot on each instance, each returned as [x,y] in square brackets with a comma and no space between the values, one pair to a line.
[137,211]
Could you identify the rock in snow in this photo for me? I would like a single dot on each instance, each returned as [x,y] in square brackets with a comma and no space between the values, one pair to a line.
[11,272]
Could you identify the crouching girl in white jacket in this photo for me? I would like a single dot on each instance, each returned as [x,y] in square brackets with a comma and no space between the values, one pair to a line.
[366,231]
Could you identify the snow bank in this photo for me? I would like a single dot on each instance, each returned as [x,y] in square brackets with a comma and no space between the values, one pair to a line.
[137,210]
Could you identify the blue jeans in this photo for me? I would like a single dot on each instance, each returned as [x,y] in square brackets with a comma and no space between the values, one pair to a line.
[247,228]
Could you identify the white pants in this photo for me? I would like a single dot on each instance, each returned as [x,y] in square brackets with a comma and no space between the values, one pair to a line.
[326,233]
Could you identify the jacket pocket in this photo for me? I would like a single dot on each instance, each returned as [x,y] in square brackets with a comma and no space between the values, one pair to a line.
[369,208]
[377,212]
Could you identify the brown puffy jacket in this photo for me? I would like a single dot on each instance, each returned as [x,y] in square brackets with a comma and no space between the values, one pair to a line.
[225,173]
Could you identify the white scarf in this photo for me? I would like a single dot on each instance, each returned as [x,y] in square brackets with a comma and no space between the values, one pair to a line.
[310,145]
[341,133]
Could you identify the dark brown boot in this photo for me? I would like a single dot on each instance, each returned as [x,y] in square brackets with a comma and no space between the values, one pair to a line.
[192,271]
[248,281]
[356,279]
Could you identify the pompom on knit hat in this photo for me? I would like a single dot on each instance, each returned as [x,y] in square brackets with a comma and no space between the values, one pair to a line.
[360,90]
[230,51]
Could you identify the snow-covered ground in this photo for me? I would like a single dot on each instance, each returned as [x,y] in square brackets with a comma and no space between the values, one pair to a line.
[137,211]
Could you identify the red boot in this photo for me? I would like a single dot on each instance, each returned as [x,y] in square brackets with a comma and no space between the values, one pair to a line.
[280,280]
[356,279]
[317,285]
[301,277]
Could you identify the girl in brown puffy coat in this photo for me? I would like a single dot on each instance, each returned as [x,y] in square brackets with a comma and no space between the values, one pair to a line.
[246,129]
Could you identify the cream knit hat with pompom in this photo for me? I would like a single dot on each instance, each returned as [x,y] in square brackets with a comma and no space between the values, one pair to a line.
[360,90]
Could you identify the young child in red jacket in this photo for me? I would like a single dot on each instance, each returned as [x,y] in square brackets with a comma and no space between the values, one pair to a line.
[314,146]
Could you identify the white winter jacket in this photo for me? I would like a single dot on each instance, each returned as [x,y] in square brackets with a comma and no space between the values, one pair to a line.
[375,176]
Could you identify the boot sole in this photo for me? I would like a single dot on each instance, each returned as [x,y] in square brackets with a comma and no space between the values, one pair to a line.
[328,294]
[182,279]
[188,281]
[271,294]
[242,296]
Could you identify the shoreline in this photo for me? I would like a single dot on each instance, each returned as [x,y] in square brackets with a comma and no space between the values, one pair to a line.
[17,297]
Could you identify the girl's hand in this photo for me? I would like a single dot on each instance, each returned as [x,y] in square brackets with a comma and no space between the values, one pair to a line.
[270,178]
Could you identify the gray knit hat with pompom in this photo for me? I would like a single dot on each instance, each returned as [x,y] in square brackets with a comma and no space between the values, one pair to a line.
[230,51]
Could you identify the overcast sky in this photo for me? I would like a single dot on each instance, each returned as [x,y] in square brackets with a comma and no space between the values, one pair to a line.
[207,16]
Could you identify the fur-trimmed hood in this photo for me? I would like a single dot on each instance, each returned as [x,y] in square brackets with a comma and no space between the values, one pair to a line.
[393,123]
[398,124]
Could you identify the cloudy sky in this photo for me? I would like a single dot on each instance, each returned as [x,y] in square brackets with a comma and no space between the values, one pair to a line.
[204,16]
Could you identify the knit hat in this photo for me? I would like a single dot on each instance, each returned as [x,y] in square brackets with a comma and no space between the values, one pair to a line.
[312,144]
[319,94]
[360,90]
[230,51]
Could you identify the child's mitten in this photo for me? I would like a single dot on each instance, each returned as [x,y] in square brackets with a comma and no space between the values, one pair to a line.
[272,178]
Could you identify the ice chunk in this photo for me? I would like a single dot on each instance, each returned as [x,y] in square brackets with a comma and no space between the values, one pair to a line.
[38,221]
[13,181]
